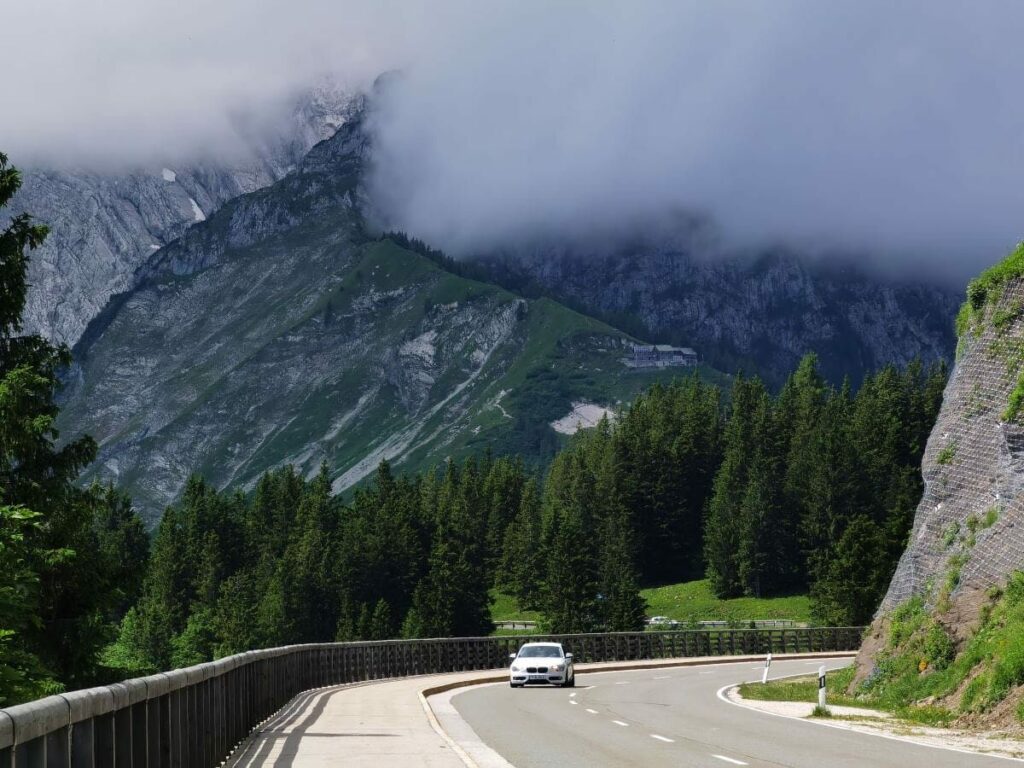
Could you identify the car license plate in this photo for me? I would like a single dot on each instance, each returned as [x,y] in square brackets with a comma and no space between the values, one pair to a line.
[538,677]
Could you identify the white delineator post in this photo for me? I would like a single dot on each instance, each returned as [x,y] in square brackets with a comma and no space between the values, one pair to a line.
[767,666]
[821,687]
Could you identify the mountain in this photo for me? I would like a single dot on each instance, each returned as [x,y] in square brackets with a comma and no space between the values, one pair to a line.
[278,331]
[103,226]
[758,313]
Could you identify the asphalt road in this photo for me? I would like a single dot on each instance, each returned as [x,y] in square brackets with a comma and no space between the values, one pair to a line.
[674,717]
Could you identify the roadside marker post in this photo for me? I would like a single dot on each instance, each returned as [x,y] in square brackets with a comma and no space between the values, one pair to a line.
[767,666]
[821,687]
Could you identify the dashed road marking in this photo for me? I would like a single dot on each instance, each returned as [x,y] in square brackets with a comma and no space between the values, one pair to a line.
[662,677]
[706,673]
[619,722]
[592,711]
[732,760]
[572,695]
[573,701]
[623,682]
[666,739]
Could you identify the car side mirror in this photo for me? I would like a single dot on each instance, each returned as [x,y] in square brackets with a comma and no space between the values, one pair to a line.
[511,657]
[568,656]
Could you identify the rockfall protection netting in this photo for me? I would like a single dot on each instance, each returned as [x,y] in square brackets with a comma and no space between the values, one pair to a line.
[973,470]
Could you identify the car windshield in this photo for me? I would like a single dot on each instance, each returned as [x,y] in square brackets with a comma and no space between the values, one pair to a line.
[540,652]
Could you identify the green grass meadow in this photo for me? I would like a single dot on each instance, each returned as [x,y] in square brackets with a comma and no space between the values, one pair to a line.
[687,603]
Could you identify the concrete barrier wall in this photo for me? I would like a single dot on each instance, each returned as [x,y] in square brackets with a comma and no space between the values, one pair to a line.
[195,717]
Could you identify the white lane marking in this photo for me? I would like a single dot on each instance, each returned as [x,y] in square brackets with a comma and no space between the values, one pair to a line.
[623,682]
[592,711]
[705,673]
[619,722]
[572,695]
[685,664]
[662,677]
[663,738]
[572,701]
[848,729]
[730,760]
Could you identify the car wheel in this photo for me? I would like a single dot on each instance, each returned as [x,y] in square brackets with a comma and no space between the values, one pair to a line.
[570,683]
[513,685]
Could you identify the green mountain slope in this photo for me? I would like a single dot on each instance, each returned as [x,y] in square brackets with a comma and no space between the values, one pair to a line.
[279,332]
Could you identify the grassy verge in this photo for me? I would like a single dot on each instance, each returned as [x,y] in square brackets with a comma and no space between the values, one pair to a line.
[837,687]
[919,663]
[693,601]
[920,676]
[806,689]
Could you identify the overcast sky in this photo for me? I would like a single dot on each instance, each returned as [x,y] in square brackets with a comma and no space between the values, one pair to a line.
[892,128]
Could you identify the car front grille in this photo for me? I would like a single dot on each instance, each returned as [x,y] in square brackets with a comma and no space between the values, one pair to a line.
[537,669]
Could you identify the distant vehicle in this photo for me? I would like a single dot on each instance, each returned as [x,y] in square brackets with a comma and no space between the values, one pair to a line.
[662,621]
[542,664]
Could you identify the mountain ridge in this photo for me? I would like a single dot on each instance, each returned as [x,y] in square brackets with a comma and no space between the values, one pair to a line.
[105,225]
[759,313]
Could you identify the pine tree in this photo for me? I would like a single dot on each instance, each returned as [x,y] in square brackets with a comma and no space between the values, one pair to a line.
[570,596]
[73,608]
[853,578]
[22,675]
[622,607]
[452,598]
[769,552]
[723,529]
[522,560]
[380,621]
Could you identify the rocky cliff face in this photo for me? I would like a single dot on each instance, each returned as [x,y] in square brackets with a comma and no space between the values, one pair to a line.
[968,533]
[761,314]
[104,226]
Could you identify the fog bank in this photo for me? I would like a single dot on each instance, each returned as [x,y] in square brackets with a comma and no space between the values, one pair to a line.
[892,130]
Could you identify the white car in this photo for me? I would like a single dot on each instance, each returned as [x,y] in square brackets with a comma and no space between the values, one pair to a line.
[542,664]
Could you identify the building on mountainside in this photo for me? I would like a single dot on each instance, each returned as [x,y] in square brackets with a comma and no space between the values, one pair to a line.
[660,356]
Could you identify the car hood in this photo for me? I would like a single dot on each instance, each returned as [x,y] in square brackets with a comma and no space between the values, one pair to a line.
[538,662]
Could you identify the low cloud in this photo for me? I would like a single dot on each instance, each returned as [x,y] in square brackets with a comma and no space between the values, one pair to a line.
[890,129]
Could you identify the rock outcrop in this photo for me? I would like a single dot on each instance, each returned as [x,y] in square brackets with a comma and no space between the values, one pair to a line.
[761,314]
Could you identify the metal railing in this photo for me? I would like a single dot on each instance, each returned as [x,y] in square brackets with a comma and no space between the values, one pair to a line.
[196,717]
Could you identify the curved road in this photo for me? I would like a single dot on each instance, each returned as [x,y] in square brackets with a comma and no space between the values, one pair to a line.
[674,717]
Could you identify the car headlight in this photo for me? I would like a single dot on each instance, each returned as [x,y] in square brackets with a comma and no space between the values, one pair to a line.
[516,668]
[557,667]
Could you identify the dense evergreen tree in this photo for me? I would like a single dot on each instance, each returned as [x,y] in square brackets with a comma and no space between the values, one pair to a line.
[74,552]
[22,675]
[570,585]
[723,529]
[522,560]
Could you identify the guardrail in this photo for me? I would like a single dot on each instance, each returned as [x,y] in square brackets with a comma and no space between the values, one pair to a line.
[515,625]
[196,717]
